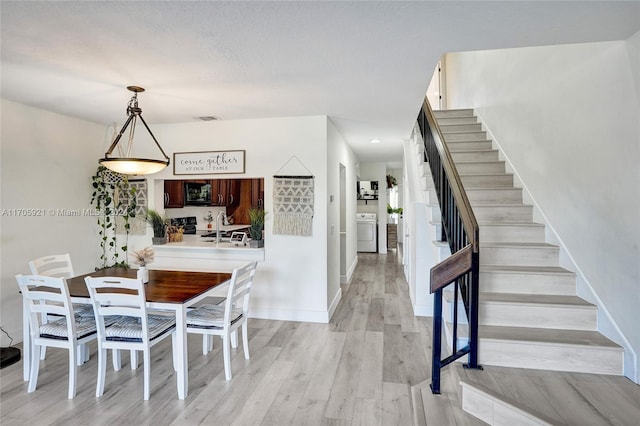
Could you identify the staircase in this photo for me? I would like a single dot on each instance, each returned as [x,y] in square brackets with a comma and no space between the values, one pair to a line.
[530,316]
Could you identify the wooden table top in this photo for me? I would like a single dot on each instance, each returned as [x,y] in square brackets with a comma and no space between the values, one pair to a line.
[163,286]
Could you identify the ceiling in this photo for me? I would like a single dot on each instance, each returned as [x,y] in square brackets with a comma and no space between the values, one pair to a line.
[364,64]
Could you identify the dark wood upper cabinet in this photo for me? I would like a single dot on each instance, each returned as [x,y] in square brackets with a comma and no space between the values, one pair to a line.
[173,193]
[257,193]
[218,192]
[225,192]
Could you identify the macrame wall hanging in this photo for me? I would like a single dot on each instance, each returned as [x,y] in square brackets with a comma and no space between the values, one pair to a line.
[293,200]
[138,226]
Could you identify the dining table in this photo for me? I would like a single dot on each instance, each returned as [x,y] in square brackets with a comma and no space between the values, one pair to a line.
[166,290]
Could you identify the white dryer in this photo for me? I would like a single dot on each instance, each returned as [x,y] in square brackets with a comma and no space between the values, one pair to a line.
[367,230]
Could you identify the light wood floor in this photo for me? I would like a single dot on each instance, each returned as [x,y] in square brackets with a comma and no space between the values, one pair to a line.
[358,370]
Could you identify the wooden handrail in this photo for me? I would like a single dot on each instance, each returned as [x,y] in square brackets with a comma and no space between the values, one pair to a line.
[468,218]
[452,268]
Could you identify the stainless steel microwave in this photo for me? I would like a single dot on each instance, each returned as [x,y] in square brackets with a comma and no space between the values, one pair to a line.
[197,193]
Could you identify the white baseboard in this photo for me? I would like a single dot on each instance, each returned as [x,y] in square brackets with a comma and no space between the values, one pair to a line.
[334,303]
[346,279]
[423,310]
[278,314]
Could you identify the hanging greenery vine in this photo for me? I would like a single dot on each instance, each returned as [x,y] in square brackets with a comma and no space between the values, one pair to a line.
[112,198]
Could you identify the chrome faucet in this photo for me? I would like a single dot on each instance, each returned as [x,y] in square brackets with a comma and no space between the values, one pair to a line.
[224,218]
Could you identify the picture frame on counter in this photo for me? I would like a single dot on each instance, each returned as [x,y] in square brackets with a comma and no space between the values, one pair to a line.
[208,162]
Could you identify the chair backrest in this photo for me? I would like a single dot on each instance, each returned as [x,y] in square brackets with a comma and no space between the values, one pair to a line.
[116,296]
[46,295]
[57,265]
[239,290]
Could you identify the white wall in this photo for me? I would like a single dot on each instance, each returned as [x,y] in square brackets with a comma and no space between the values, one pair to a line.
[567,118]
[292,282]
[339,153]
[47,163]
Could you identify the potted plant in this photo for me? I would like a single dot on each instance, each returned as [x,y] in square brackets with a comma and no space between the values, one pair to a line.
[159,226]
[391,181]
[256,219]
[142,258]
[209,219]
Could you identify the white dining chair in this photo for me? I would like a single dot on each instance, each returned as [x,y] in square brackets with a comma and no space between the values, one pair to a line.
[60,266]
[225,320]
[134,329]
[68,331]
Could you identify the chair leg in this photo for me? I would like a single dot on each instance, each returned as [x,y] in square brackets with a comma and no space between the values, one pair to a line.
[117,360]
[134,359]
[147,372]
[74,359]
[210,340]
[226,350]
[83,353]
[205,343]
[245,340]
[35,366]
[234,338]
[102,370]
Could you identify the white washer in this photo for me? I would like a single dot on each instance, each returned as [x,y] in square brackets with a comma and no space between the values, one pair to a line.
[367,230]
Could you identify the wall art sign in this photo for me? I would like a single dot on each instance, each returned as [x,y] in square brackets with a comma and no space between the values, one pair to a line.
[208,162]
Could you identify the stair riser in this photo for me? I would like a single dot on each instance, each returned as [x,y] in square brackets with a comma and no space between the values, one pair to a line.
[487,181]
[453,113]
[463,137]
[519,256]
[468,146]
[493,167]
[521,213]
[560,317]
[515,233]
[498,282]
[459,128]
[495,411]
[502,195]
[448,121]
[482,156]
[555,317]
[593,360]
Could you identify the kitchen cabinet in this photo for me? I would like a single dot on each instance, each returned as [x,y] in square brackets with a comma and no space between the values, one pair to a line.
[257,193]
[217,190]
[173,193]
[225,192]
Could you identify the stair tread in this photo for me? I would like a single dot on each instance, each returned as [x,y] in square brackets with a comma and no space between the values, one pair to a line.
[515,244]
[495,188]
[470,151]
[542,299]
[545,335]
[496,204]
[508,269]
[472,174]
[528,224]
[509,224]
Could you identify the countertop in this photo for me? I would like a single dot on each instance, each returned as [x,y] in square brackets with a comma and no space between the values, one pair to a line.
[208,243]
[196,252]
[224,228]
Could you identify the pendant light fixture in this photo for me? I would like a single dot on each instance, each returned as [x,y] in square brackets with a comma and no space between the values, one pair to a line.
[126,164]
